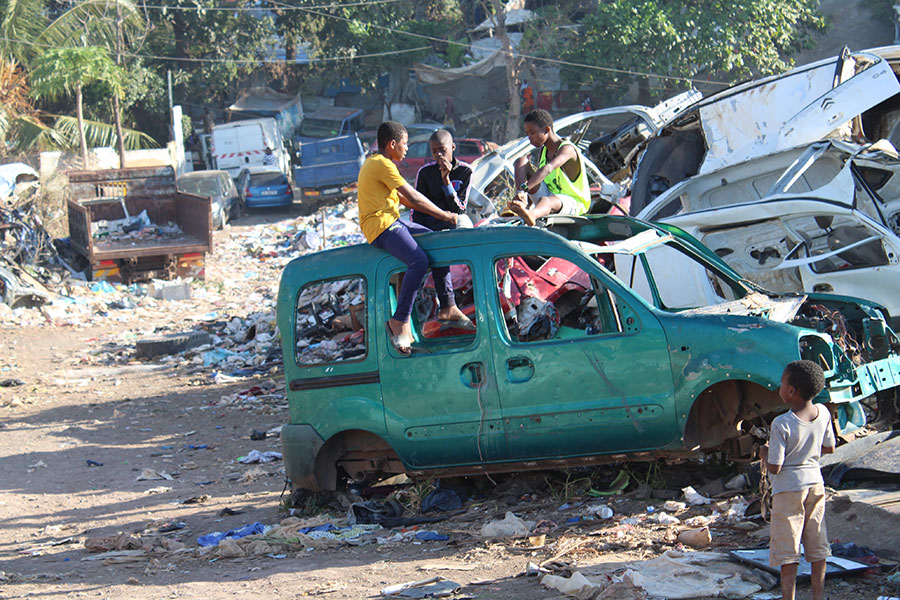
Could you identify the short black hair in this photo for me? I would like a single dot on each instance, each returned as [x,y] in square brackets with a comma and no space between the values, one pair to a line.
[390,130]
[440,136]
[539,117]
[807,377]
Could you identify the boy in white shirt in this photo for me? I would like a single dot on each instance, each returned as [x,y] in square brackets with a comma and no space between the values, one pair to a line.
[796,441]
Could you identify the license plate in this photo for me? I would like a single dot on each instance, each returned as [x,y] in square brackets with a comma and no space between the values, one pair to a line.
[331,191]
[268,193]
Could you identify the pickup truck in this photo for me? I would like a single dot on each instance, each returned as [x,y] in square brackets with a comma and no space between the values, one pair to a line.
[329,169]
[132,224]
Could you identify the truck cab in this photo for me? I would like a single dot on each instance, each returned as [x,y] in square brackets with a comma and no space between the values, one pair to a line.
[329,122]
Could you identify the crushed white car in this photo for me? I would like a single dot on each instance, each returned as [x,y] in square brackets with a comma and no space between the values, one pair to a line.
[608,139]
[854,96]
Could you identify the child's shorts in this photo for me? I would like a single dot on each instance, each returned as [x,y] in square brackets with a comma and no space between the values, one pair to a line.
[798,517]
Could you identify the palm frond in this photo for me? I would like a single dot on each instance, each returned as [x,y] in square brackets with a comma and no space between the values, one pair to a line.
[22,21]
[58,72]
[100,134]
[91,23]
[34,134]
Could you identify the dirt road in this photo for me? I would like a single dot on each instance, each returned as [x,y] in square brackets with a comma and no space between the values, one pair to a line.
[90,423]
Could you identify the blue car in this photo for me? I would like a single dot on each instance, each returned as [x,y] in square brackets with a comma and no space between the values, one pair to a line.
[261,187]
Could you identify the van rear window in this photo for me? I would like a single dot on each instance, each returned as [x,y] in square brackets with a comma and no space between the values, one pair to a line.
[331,322]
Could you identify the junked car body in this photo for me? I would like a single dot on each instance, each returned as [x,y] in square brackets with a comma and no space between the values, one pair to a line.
[804,219]
[589,347]
[606,137]
[852,96]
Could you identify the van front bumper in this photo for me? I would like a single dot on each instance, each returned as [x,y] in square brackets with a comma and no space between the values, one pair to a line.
[300,444]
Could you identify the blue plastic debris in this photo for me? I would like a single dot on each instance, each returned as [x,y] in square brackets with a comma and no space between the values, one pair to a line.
[213,539]
[431,536]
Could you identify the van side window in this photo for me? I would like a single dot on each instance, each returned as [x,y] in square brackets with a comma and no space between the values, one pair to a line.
[550,298]
[331,322]
[428,330]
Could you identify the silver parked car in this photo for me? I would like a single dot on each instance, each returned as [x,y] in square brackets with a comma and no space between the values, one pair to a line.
[219,187]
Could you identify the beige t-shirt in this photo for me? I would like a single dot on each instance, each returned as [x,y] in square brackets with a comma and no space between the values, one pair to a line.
[797,445]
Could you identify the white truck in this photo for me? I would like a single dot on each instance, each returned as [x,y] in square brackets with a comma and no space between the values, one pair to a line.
[242,144]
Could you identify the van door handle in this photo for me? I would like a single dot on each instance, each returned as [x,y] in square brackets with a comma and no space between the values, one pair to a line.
[519,369]
[472,374]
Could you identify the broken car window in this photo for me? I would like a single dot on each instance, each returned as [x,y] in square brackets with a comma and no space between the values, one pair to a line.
[428,330]
[550,298]
[331,321]
[679,280]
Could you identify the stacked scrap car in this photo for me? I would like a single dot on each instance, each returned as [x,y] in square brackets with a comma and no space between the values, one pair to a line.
[609,139]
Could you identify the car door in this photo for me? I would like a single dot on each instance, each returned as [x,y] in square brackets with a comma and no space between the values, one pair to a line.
[582,366]
[440,403]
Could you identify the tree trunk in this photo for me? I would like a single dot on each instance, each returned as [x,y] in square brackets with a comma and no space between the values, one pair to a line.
[512,77]
[79,112]
[117,111]
[120,139]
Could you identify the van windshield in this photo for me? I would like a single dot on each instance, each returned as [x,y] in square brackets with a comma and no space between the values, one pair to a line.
[320,128]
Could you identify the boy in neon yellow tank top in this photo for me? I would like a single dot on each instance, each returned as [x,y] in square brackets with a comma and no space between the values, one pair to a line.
[560,168]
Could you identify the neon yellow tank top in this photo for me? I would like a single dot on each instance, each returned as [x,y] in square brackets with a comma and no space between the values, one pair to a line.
[559,183]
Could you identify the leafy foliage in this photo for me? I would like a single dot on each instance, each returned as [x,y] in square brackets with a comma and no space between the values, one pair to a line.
[63,72]
[728,38]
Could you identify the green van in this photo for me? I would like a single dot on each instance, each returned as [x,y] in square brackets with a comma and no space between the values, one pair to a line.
[597,338]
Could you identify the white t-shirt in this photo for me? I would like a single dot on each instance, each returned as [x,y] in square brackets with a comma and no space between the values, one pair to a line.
[796,445]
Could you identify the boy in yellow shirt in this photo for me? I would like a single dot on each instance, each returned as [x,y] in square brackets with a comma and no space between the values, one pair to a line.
[381,191]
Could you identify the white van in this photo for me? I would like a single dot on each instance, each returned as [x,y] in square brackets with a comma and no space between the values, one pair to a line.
[242,144]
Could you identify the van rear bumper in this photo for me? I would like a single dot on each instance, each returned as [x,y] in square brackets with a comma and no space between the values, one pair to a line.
[300,444]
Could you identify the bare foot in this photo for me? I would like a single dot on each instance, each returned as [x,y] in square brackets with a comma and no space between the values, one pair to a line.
[518,207]
[451,314]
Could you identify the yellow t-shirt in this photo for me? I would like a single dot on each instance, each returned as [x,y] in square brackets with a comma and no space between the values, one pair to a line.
[379,203]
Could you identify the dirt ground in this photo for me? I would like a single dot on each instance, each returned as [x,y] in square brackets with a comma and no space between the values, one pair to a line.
[85,398]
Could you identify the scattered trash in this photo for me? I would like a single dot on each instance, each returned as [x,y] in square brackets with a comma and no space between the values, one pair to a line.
[161,489]
[38,465]
[431,536]
[577,585]
[664,518]
[213,539]
[436,587]
[600,510]
[229,512]
[509,526]
[374,512]
[257,435]
[255,456]
[170,290]
[674,506]
[11,383]
[171,526]
[122,541]
[617,486]
[94,463]
[738,482]
[693,497]
[151,475]
[196,499]
[442,499]
[675,575]
[695,538]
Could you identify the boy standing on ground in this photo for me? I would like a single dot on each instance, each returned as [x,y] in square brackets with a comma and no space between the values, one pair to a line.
[381,190]
[445,181]
[560,167]
[796,441]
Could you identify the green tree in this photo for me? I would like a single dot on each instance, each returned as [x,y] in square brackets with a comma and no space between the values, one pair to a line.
[63,72]
[731,39]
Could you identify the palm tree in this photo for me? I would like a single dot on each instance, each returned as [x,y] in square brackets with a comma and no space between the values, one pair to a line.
[25,31]
[61,72]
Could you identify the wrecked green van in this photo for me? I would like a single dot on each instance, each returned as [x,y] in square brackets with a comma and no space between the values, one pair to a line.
[597,338]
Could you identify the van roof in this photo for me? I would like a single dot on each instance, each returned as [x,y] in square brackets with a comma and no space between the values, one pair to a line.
[335,113]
